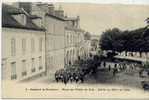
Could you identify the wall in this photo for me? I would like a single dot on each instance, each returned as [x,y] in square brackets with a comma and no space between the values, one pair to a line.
[54,45]
[7,58]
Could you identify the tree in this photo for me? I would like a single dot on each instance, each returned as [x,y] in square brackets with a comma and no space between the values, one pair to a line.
[111,40]
[133,41]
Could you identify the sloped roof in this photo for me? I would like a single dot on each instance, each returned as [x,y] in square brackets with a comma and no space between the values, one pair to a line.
[34,17]
[56,17]
[71,18]
[63,18]
[73,28]
[9,21]
[11,10]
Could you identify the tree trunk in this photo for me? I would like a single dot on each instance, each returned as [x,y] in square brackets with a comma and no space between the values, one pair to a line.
[125,53]
[145,54]
[140,54]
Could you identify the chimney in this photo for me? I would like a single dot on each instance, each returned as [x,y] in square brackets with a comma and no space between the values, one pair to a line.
[16,4]
[78,22]
[44,7]
[78,18]
[51,9]
[27,6]
[59,13]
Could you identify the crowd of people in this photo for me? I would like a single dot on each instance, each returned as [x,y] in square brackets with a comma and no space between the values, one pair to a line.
[117,67]
[72,74]
[78,71]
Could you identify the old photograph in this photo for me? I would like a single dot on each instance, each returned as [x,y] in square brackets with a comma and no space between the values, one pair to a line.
[74,50]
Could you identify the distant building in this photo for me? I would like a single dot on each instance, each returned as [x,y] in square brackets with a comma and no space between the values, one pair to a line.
[55,35]
[54,23]
[73,40]
[87,44]
[23,45]
[95,43]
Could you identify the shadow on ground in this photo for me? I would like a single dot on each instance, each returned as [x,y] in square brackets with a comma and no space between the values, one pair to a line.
[123,79]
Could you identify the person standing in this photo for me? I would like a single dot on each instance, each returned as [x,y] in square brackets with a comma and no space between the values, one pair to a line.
[109,67]
[115,70]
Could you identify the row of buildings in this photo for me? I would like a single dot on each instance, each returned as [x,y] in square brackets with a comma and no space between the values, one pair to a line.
[38,39]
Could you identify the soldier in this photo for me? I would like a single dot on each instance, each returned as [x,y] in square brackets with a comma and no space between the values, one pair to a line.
[140,73]
[104,64]
[61,77]
[65,78]
[71,78]
[76,78]
[109,67]
[81,76]
[58,75]
[115,70]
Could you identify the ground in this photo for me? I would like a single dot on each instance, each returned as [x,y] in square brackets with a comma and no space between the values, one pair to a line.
[99,85]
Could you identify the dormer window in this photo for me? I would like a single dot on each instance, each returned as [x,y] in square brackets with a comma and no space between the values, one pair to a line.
[37,22]
[21,18]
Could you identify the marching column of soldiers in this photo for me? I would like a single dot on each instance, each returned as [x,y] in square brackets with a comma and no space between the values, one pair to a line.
[69,75]
[76,73]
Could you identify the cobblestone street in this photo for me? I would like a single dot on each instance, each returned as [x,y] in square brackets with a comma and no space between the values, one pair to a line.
[102,85]
[123,78]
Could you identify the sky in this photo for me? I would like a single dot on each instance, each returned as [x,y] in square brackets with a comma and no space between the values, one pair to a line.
[97,18]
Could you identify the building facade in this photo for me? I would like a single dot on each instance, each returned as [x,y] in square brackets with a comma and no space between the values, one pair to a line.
[53,22]
[76,46]
[23,52]
[64,38]
[55,40]
[54,44]
[95,44]
[71,40]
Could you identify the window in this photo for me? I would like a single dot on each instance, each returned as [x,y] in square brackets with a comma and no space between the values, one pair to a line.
[23,19]
[71,38]
[13,71]
[40,63]
[67,39]
[3,71]
[33,65]
[24,73]
[13,47]
[32,45]
[23,46]
[40,44]
[37,22]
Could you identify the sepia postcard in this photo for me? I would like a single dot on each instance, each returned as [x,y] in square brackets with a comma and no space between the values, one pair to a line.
[71,50]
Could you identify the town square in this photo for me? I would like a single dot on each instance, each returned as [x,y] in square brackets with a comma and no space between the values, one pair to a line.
[49,47]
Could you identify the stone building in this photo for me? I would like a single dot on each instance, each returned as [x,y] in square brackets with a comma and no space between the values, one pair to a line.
[62,40]
[64,37]
[55,35]
[23,52]
[95,44]
[73,40]
[54,23]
